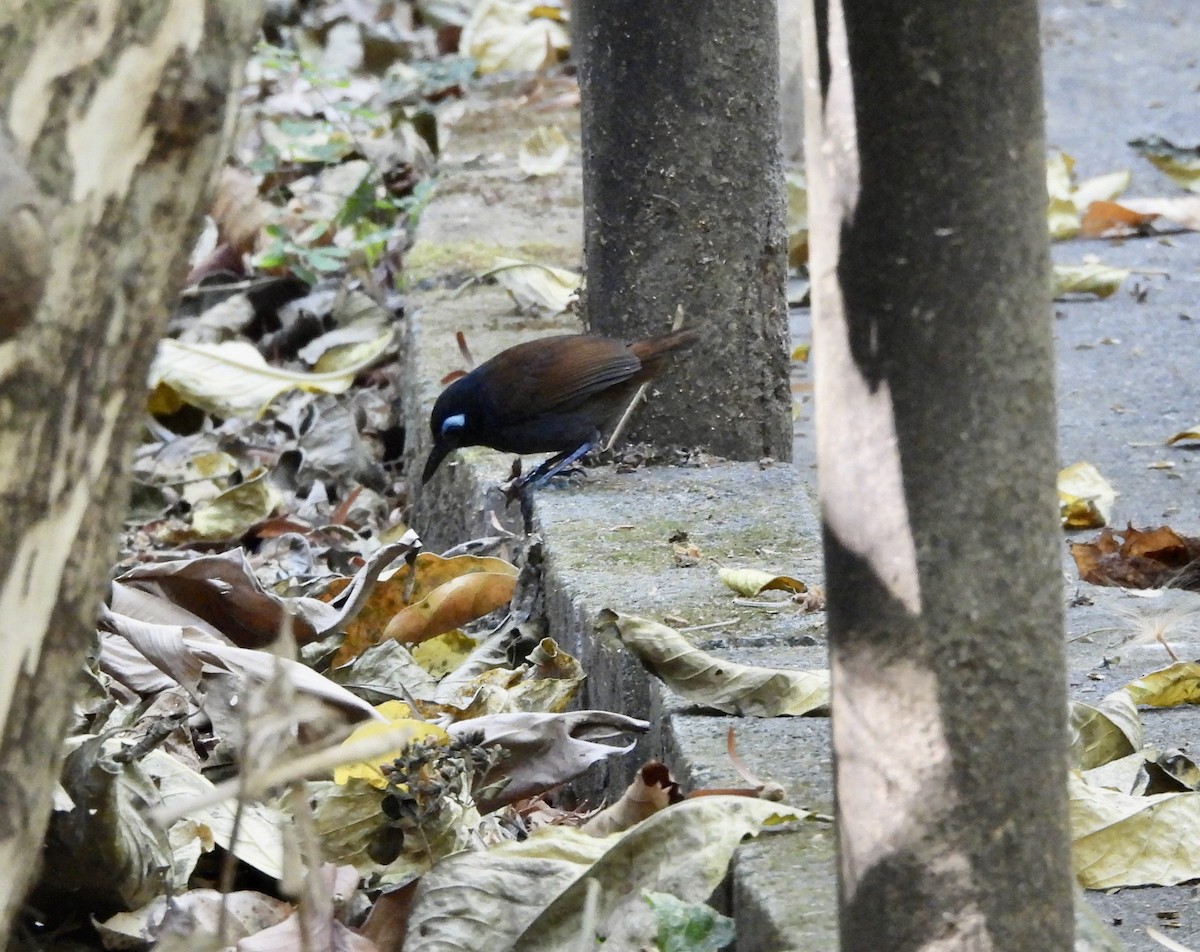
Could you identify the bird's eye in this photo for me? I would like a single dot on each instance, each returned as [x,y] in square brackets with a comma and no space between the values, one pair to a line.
[452,424]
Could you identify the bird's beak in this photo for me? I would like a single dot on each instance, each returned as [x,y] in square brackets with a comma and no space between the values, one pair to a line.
[436,455]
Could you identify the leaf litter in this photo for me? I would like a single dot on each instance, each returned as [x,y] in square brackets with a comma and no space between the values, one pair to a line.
[300,729]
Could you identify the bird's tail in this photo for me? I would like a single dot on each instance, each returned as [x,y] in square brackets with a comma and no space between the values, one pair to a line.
[652,349]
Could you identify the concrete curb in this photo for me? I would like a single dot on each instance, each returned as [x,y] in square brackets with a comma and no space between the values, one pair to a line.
[605,540]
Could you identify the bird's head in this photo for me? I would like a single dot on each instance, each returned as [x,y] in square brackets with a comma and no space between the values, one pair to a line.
[452,422]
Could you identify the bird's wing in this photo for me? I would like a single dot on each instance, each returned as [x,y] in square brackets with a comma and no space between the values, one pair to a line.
[560,373]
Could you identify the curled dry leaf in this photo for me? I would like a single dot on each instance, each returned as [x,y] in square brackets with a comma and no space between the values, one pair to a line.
[1168,687]
[1085,498]
[704,679]
[232,379]
[1142,558]
[1093,279]
[189,654]
[1147,772]
[411,604]
[455,602]
[1186,436]
[230,514]
[1107,732]
[399,718]
[536,286]
[1181,164]
[509,35]
[220,593]
[452,605]
[544,151]
[1118,839]
[530,895]
[751,582]
[653,789]
[545,750]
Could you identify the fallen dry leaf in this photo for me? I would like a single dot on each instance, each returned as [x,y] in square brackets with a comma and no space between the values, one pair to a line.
[1186,436]
[545,750]
[1142,558]
[1181,164]
[505,35]
[1118,840]
[530,895]
[1085,498]
[1114,220]
[232,379]
[1095,279]
[1106,732]
[653,789]
[398,717]
[751,582]
[1183,210]
[535,286]
[705,679]
[544,151]
[1068,198]
[413,604]
[452,605]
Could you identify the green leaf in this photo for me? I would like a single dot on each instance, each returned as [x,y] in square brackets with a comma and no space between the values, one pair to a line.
[688,926]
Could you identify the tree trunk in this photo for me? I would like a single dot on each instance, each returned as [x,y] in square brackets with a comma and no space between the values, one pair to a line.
[936,451]
[684,207]
[116,114]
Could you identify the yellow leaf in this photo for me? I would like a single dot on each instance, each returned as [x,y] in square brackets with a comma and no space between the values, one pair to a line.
[231,513]
[1097,279]
[544,151]
[751,582]
[398,714]
[1180,165]
[535,285]
[451,606]
[232,379]
[442,654]
[1168,687]
[1123,840]
[1085,498]
[714,682]
[1187,436]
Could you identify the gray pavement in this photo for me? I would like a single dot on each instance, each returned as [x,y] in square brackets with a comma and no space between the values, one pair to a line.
[1128,366]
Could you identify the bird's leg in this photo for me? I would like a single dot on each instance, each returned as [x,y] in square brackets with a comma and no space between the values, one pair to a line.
[521,487]
[553,466]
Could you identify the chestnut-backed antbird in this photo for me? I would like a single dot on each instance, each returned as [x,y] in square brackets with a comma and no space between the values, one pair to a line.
[552,395]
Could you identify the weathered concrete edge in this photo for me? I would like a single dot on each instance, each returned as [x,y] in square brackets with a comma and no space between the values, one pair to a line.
[782,885]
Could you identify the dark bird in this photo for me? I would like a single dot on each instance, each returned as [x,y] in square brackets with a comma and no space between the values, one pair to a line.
[552,395]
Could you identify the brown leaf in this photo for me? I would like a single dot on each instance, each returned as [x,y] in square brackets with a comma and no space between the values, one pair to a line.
[1143,558]
[1113,220]
[450,606]
[653,789]
[237,210]
[409,606]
